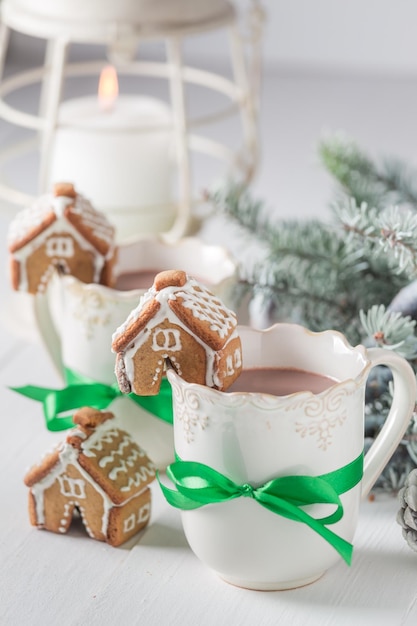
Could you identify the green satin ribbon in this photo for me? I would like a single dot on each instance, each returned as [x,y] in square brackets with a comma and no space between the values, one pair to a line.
[82,391]
[198,485]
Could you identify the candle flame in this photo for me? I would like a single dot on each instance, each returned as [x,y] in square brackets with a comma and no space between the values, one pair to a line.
[108,88]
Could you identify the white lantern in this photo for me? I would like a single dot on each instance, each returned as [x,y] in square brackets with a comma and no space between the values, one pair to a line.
[133,155]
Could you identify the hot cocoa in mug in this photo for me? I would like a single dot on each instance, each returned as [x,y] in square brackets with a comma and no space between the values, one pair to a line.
[280,381]
[289,432]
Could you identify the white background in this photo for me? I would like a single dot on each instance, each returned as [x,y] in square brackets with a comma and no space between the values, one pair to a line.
[359,36]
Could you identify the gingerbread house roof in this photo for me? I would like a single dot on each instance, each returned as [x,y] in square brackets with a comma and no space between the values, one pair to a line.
[196,308]
[63,203]
[107,454]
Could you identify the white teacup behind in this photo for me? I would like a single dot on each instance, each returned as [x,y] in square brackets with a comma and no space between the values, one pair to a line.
[76,320]
[252,438]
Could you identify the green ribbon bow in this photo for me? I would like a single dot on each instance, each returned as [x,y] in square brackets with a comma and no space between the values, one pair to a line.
[82,391]
[197,485]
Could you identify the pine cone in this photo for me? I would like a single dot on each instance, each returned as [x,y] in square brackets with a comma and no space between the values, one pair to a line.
[407,515]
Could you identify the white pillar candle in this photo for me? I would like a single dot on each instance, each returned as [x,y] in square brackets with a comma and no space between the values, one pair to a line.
[121,157]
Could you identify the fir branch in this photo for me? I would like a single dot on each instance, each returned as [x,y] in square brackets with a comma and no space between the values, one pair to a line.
[311,240]
[318,294]
[352,169]
[314,273]
[391,181]
[400,181]
[390,330]
[392,232]
[399,237]
[235,202]
[357,219]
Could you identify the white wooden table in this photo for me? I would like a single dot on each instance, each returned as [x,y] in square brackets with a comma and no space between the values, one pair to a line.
[155,578]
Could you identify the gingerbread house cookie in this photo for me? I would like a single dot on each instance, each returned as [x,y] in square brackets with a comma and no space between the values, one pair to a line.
[181,322]
[100,472]
[61,229]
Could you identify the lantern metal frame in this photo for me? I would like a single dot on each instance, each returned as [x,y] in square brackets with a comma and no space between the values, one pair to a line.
[242,91]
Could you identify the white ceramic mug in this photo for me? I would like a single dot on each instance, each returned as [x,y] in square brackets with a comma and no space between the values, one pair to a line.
[253,438]
[76,321]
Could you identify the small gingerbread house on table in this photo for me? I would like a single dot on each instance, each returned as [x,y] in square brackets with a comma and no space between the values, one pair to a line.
[63,230]
[180,321]
[100,472]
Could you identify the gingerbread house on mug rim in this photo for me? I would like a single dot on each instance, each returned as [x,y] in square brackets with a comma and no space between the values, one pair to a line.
[181,321]
[98,471]
[61,229]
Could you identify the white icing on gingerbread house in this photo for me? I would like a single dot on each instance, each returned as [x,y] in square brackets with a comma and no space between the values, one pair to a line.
[100,472]
[181,322]
[62,229]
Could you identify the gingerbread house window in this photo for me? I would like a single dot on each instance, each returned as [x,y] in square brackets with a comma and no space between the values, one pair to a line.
[72,487]
[138,518]
[129,523]
[60,246]
[144,513]
[233,362]
[166,339]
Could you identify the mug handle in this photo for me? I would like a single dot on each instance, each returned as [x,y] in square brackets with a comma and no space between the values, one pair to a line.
[47,329]
[403,402]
